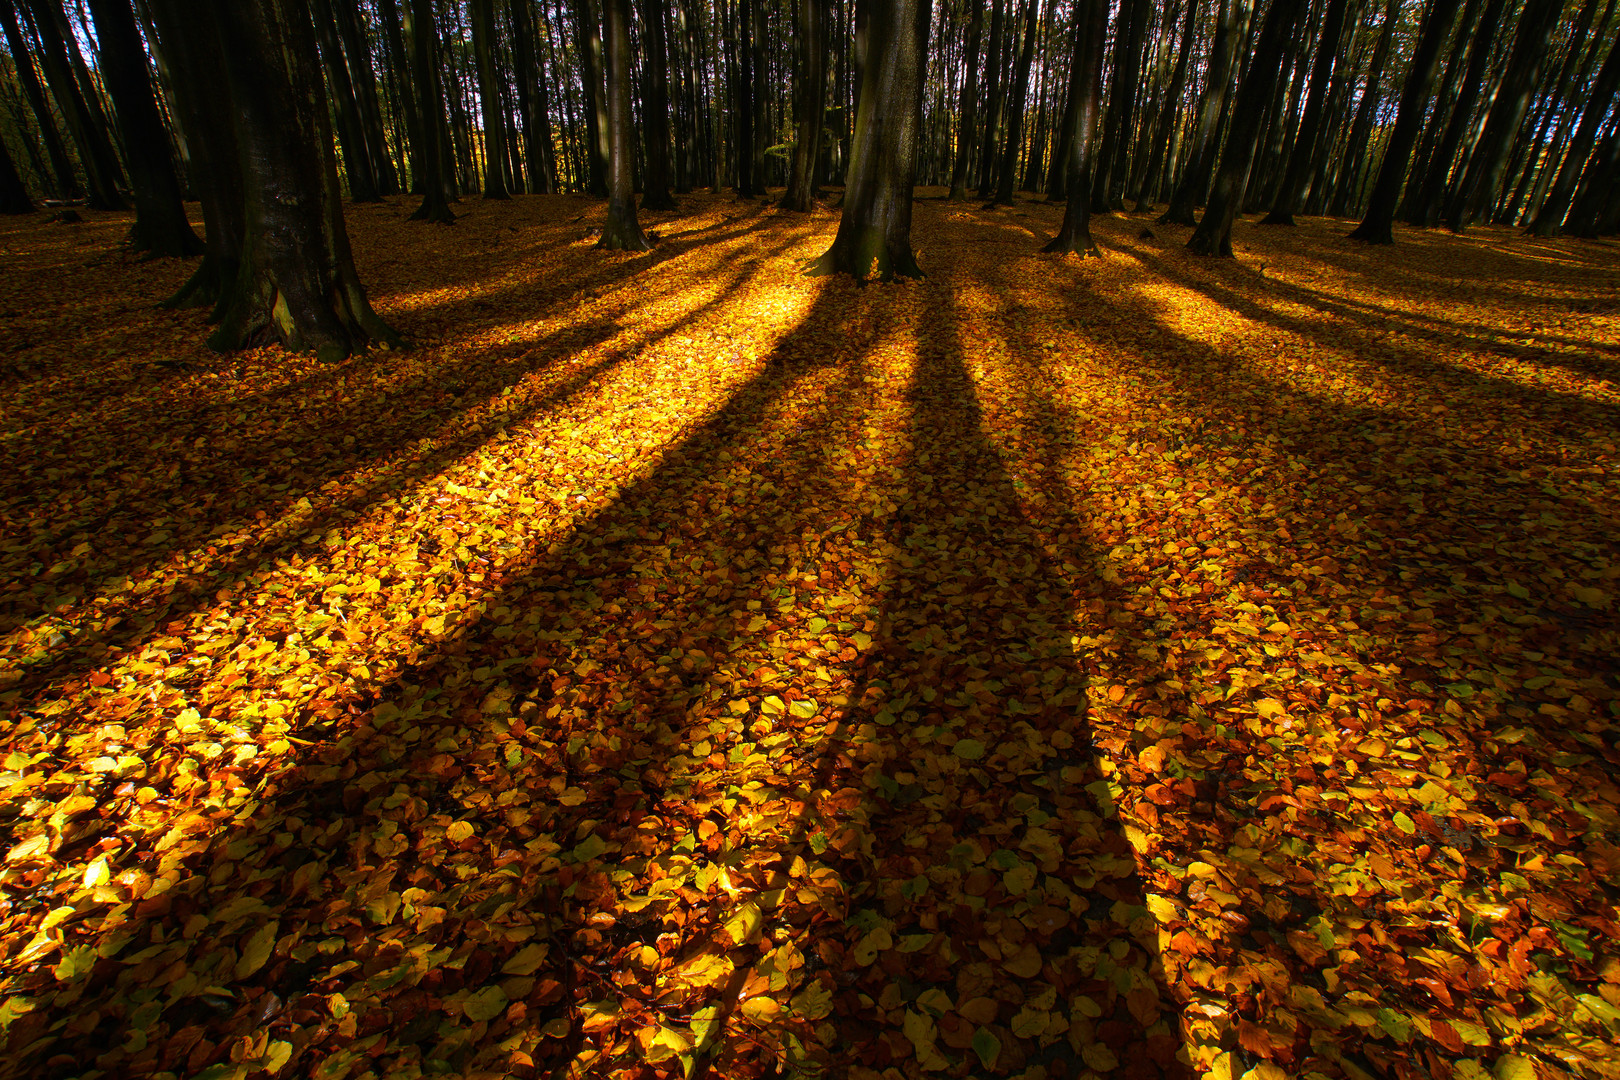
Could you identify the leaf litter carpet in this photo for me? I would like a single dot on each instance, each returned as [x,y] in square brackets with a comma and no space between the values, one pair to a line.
[672,665]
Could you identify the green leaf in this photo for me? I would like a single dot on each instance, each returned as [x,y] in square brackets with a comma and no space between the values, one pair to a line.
[589,848]
[969,750]
[257,949]
[76,963]
[527,960]
[987,1046]
[487,1004]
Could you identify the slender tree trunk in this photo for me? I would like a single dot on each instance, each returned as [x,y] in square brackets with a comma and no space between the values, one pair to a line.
[874,233]
[589,39]
[655,108]
[489,99]
[1293,189]
[351,130]
[95,149]
[364,78]
[1344,197]
[1108,183]
[1035,162]
[67,182]
[296,283]
[1597,210]
[1008,173]
[1431,195]
[1488,162]
[760,71]
[14,197]
[992,102]
[1201,155]
[1549,221]
[810,101]
[621,231]
[1085,98]
[967,126]
[1375,228]
[161,228]
[1164,123]
[1444,101]
[428,160]
[1214,233]
[399,61]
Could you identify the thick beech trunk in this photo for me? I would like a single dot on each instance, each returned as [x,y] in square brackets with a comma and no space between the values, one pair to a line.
[1085,96]
[1301,159]
[1375,228]
[296,284]
[874,234]
[1201,156]
[1214,233]
[810,102]
[621,231]
[428,158]
[1008,172]
[161,229]
[968,105]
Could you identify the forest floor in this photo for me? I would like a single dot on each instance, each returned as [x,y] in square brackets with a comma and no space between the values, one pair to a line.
[674,665]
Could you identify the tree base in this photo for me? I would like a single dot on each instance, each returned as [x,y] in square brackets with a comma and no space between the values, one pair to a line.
[434,212]
[260,312]
[621,232]
[864,260]
[173,240]
[1205,243]
[1076,243]
[1176,215]
[661,201]
[1278,217]
[204,288]
[1373,232]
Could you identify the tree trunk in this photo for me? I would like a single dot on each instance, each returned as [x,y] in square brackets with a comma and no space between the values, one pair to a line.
[1375,228]
[1549,221]
[1164,126]
[1291,194]
[533,114]
[95,149]
[351,130]
[201,84]
[1443,103]
[761,126]
[428,160]
[1108,184]
[874,232]
[13,194]
[1488,162]
[1008,173]
[364,79]
[67,182]
[1344,196]
[992,102]
[1431,195]
[1085,96]
[655,107]
[399,60]
[1596,206]
[1214,233]
[967,125]
[621,231]
[810,101]
[489,99]
[1201,155]
[743,102]
[161,229]
[589,41]
[296,283]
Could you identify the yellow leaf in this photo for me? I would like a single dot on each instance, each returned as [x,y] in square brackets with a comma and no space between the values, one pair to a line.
[761,1010]
[97,873]
[744,924]
[1514,1067]
[705,969]
[458,831]
[1269,707]
[257,949]
[527,960]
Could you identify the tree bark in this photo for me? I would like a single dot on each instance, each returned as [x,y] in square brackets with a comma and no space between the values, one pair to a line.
[1291,194]
[351,130]
[1344,196]
[589,39]
[1085,96]
[1488,162]
[1164,126]
[968,124]
[161,229]
[621,231]
[743,103]
[1201,156]
[1214,233]
[364,79]
[1431,195]
[428,159]
[1008,172]
[489,99]
[992,102]
[14,197]
[1375,228]
[874,233]
[296,283]
[389,15]
[1550,220]
[655,107]
[1596,207]
[95,149]
[67,182]
[1108,182]
[1443,102]
[533,109]
[810,101]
